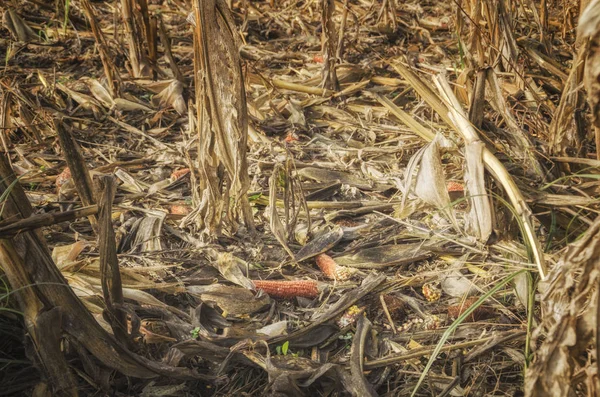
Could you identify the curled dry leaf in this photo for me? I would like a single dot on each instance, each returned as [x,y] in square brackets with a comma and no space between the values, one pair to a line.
[66,254]
[148,232]
[457,285]
[85,101]
[385,256]
[129,106]
[272,330]
[171,96]
[233,300]
[479,219]
[101,93]
[323,242]
[431,183]
[17,26]
[231,267]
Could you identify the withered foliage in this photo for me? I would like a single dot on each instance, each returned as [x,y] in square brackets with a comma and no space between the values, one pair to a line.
[299,198]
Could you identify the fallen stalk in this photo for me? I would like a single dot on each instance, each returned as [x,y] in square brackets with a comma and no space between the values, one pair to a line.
[417,353]
[37,221]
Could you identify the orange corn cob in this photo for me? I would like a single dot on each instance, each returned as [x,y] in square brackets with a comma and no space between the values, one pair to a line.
[431,292]
[178,209]
[288,289]
[350,316]
[291,137]
[63,177]
[455,187]
[331,269]
[179,173]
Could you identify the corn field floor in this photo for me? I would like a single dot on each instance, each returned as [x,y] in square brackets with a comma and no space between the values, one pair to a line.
[423,186]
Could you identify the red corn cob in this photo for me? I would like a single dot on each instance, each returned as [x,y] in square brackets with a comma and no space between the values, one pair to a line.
[480,313]
[288,289]
[331,269]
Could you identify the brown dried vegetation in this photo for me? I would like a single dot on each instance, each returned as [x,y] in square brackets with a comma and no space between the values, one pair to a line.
[362,198]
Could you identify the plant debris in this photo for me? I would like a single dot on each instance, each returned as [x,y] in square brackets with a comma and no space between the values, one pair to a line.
[299,198]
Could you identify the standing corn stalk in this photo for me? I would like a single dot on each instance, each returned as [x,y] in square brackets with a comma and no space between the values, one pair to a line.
[589,27]
[222,122]
[329,44]
[133,38]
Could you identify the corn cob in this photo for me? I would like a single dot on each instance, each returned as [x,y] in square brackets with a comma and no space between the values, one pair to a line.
[431,292]
[479,313]
[179,174]
[350,316]
[455,187]
[178,209]
[63,178]
[331,269]
[288,289]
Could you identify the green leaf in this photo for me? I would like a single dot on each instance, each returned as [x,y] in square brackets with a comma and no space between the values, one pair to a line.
[254,197]
[195,332]
[285,347]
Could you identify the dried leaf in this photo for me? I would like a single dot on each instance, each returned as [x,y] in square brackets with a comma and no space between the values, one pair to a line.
[230,267]
[129,106]
[101,93]
[172,96]
[457,285]
[431,183]
[274,222]
[320,244]
[273,330]
[66,254]
[17,26]
[385,256]
[234,300]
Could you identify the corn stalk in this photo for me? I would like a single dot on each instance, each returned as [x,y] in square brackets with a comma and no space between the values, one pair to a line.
[222,123]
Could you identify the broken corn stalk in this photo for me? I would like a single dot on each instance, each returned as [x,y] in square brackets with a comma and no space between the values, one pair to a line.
[331,269]
[288,289]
